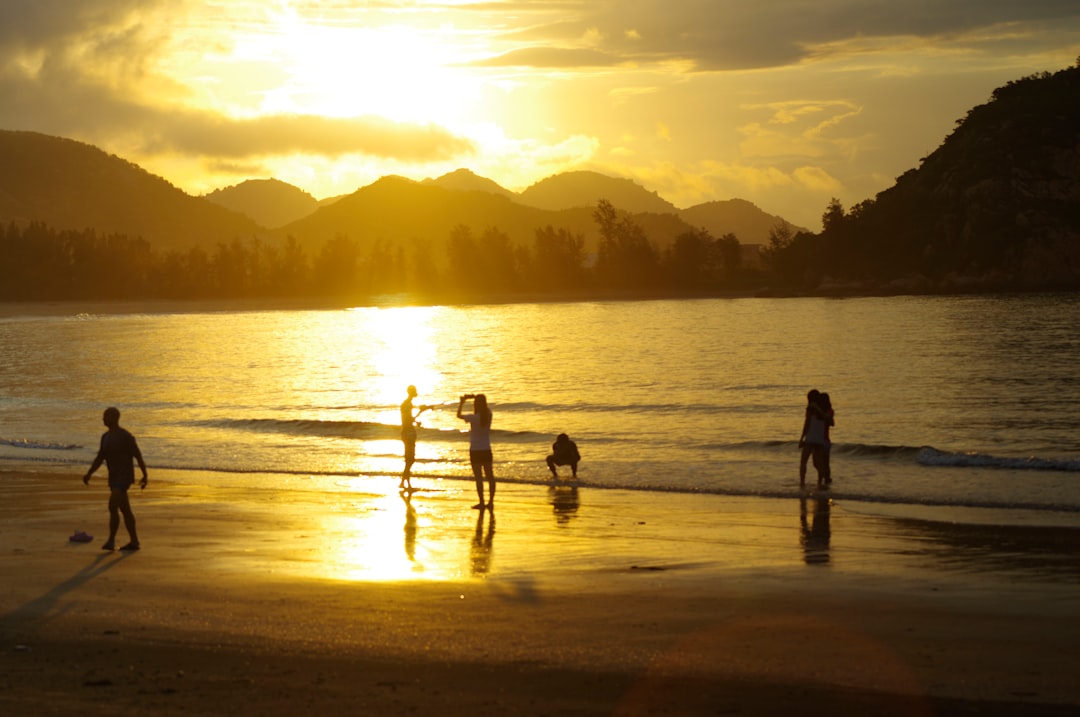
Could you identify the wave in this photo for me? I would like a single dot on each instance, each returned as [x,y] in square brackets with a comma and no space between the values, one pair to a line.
[922,455]
[300,426]
[353,429]
[928,456]
[38,445]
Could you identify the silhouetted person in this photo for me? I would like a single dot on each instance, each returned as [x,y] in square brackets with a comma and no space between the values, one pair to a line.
[564,452]
[829,416]
[408,435]
[480,457]
[814,439]
[118,450]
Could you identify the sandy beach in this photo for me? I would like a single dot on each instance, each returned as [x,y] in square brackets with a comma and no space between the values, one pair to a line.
[305,600]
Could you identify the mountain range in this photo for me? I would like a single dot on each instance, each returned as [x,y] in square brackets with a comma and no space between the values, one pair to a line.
[71,185]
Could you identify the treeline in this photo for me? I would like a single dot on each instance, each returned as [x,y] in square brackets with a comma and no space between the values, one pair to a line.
[38,263]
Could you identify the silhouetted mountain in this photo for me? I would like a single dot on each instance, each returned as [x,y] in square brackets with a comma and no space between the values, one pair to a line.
[396,209]
[997,205]
[71,185]
[270,202]
[463,180]
[745,220]
[570,190]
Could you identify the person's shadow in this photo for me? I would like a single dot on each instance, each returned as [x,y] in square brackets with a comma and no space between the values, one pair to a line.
[29,617]
[480,551]
[816,531]
[564,501]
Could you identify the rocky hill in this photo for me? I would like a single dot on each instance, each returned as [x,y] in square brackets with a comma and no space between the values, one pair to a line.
[71,185]
[997,205]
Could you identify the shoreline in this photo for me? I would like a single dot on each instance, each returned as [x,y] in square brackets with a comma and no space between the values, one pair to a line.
[245,603]
[73,307]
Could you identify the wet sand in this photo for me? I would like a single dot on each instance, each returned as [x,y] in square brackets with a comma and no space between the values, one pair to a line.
[259,601]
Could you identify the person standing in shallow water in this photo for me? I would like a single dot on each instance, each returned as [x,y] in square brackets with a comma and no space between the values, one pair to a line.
[480,446]
[814,439]
[408,435]
[118,449]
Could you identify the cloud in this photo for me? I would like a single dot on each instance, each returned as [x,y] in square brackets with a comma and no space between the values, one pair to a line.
[551,57]
[739,35]
[31,24]
[85,70]
[306,134]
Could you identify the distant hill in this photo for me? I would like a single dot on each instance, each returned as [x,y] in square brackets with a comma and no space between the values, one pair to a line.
[463,180]
[270,202]
[571,190]
[996,205]
[72,185]
[744,219]
[396,209]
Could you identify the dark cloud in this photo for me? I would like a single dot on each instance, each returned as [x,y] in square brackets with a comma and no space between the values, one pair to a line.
[304,134]
[551,57]
[32,24]
[735,34]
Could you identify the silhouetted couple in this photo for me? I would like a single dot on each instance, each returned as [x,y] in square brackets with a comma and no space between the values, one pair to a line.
[814,440]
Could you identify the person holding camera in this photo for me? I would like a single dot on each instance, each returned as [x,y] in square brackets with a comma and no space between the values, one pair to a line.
[480,446]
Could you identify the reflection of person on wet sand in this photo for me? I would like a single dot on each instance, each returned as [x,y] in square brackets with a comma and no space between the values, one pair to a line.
[564,452]
[480,446]
[408,435]
[480,551]
[410,527]
[564,501]
[118,449]
[816,532]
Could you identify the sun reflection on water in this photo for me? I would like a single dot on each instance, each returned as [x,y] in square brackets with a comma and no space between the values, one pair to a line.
[401,343]
[392,537]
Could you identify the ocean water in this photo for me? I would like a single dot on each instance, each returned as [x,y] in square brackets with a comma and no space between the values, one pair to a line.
[944,405]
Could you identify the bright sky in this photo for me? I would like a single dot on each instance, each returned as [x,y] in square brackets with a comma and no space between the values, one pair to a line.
[786,103]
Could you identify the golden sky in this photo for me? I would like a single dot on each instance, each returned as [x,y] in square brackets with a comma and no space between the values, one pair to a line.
[786,103]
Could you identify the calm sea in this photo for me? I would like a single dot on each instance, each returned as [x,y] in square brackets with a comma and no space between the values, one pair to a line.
[942,403]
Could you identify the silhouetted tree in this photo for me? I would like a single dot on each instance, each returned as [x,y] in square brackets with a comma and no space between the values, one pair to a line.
[334,272]
[558,259]
[692,261]
[626,259]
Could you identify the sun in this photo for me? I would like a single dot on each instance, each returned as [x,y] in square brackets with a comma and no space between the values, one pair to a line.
[402,72]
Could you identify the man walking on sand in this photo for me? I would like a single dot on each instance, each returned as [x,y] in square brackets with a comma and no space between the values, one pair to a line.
[118,450]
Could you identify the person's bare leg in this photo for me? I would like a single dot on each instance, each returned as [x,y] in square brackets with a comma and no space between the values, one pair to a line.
[114,521]
[491,485]
[124,504]
[478,475]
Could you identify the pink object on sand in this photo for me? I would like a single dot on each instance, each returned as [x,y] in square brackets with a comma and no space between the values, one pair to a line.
[81,537]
